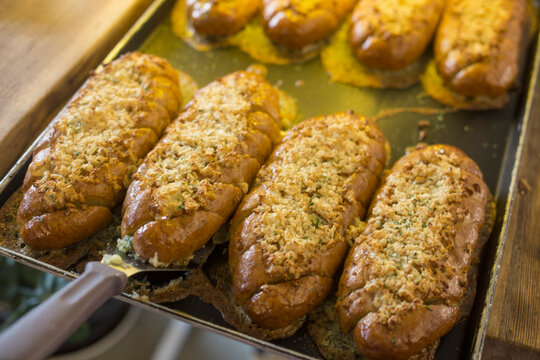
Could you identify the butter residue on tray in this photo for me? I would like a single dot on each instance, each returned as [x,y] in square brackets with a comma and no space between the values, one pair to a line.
[253,41]
[434,86]
[343,66]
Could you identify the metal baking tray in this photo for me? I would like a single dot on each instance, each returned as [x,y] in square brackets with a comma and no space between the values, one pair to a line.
[494,139]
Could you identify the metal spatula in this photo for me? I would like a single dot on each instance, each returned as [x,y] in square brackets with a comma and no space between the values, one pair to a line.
[40,332]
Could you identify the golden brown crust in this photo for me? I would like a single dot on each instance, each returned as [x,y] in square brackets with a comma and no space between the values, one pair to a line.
[418,326]
[312,190]
[477,45]
[83,164]
[298,23]
[392,35]
[274,305]
[59,229]
[195,177]
[220,17]
[324,329]
[405,276]
[176,238]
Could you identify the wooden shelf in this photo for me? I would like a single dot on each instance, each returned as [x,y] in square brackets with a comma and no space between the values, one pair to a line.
[514,325]
[48,48]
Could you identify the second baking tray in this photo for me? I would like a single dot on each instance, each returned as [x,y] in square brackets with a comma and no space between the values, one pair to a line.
[494,139]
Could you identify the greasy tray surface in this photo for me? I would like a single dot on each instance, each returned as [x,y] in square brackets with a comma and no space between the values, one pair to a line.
[491,138]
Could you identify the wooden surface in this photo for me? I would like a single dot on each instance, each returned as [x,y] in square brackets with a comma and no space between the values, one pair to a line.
[514,325]
[47,49]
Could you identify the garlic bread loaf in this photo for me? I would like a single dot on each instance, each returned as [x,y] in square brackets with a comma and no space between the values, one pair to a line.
[298,23]
[83,164]
[220,17]
[288,237]
[198,173]
[406,275]
[391,35]
[477,46]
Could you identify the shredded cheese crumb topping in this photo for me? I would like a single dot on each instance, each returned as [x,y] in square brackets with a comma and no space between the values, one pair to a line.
[95,143]
[305,185]
[185,165]
[409,235]
[391,17]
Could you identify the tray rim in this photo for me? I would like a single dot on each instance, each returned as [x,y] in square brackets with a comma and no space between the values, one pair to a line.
[522,128]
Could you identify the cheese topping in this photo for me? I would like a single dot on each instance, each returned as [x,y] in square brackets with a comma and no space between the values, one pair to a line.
[95,142]
[391,17]
[410,233]
[209,136]
[480,26]
[305,186]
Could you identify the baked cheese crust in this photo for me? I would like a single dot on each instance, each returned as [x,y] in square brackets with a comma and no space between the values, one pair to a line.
[194,178]
[390,34]
[477,46]
[289,235]
[87,157]
[406,274]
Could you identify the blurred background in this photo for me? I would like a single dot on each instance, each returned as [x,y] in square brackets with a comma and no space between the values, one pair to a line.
[117,330]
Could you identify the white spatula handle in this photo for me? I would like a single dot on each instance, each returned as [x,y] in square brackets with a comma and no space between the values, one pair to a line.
[40,332]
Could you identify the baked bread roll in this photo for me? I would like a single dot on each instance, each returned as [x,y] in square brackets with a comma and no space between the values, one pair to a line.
[198,173]
[220,17]
[391,35]
[477,46]
[298,23]
[83,164]
[406,275]
[288,237]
